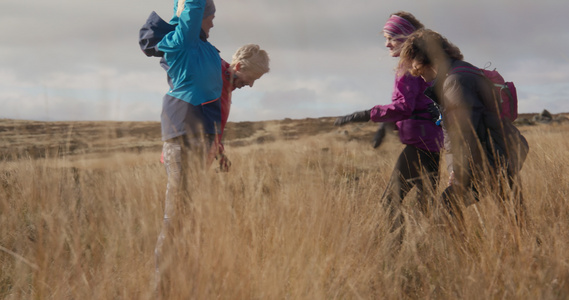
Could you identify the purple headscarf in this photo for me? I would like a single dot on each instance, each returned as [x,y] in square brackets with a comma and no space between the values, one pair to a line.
[397,26]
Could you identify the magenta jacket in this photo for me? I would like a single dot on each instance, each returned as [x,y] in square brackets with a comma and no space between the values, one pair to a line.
[408,97]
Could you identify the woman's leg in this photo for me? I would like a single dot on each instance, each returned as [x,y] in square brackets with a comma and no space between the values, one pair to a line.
[427,178]
[411,169]
[398,187]
[175,157]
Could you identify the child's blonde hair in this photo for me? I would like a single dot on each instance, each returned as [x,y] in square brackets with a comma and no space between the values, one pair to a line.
[252,59]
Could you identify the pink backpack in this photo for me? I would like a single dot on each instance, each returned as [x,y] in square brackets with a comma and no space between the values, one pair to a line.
[505,91]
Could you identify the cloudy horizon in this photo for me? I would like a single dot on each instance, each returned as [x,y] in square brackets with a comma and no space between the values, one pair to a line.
[66,60]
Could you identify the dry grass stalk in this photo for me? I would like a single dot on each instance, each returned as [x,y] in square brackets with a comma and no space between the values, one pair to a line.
[294,219]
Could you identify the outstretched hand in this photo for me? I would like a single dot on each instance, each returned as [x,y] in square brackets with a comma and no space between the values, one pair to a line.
[224,163]
[359,116]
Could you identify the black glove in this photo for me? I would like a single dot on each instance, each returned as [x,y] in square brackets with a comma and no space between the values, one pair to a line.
[358,116]
[384,127]
[379,135]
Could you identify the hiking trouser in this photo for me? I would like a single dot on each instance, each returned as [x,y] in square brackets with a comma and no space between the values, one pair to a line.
[182,156]
[414,168]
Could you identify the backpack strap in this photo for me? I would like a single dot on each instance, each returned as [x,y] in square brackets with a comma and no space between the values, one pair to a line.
[466,69]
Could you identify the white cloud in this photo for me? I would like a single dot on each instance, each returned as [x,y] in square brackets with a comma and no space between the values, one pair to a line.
[10,81]
[109,79]
[80,60]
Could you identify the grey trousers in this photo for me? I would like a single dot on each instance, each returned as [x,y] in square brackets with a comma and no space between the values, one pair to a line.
[183,157]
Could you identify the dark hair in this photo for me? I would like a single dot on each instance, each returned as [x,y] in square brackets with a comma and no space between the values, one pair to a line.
[409,17]
[427,47]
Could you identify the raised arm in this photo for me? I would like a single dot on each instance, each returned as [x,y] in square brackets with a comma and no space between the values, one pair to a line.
[189,26]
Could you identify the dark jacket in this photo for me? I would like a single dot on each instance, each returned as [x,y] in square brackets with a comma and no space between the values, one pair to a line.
[479,138]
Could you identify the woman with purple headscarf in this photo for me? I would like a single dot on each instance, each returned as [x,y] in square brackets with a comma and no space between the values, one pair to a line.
[414,116]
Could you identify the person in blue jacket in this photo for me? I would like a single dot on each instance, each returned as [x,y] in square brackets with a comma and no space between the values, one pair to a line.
[194,68]
[191,112]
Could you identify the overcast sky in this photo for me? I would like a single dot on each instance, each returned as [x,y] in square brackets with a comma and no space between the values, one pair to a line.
[80,60]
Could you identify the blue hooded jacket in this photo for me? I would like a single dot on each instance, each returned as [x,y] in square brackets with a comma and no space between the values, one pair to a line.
[195,65]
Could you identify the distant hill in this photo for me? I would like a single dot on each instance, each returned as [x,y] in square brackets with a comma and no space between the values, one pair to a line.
[37,139]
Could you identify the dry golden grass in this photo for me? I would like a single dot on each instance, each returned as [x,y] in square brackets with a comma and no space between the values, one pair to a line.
[298,217]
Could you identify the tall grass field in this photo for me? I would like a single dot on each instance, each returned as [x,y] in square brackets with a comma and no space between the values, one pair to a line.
[297,217]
